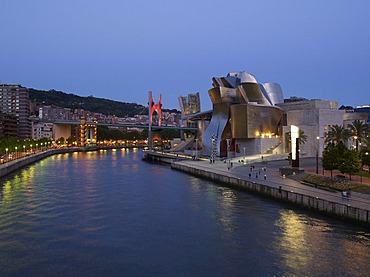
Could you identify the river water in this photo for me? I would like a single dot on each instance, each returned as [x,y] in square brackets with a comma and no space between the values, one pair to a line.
[109,213]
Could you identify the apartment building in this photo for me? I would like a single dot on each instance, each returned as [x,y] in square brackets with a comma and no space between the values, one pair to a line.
[14,100]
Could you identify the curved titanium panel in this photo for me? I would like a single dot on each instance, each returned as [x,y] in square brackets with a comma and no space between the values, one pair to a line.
[274,92]
[215,95]
[254,94]
[250,120]
[244,77]
[220,117]
[228,95]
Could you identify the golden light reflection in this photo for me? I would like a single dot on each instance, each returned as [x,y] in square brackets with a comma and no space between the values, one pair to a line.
[293,239]
[227,208]
[7,191]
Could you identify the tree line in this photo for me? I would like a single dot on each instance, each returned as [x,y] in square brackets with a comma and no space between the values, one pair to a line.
[336,155]
[89,103]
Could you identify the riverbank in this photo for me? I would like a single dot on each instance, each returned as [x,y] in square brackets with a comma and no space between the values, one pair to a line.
[14,165]
[264,177]
[17,164]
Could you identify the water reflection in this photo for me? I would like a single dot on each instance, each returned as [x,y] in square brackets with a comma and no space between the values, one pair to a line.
[309,243]
[128,217]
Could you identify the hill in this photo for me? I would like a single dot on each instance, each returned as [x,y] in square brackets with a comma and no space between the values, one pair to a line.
[89,103]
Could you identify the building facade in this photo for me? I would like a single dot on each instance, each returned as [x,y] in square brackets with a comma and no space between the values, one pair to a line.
[245,118]
[42,130]
[314,117]
[8,126]
[14,100]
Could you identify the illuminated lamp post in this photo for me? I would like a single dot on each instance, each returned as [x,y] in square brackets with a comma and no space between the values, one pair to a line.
[6,154]
[213,150]
[366,153]
[228,152]
[317,154]
[31,149]
[356,142]
[24,150]
[196,149]
[16,152]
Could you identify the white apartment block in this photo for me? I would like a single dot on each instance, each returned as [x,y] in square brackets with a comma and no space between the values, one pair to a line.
[42,130]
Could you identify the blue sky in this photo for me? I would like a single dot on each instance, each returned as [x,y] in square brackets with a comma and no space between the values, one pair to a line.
[119,50]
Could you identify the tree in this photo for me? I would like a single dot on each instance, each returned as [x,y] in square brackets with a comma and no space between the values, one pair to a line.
[365,158]
[358,131]
[337,134]
[330,158]
[61,140]
[349,162]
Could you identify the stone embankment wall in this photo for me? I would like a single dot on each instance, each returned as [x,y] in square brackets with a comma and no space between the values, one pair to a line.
[17,164]
[315,203]
[22,162]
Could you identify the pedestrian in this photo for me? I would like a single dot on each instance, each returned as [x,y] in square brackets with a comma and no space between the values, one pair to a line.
[250,175]
[264,176]
[256,175]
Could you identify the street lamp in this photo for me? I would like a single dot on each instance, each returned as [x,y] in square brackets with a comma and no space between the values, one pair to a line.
[196,149]
[24,150]
[228,152]
[356,141]
[213,148]
[317,154]
[16,152]
[366,153]
[6,153]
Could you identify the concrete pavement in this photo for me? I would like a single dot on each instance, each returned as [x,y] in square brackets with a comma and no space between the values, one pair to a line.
[272,164]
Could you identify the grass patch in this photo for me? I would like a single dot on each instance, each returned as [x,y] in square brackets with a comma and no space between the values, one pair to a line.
[338,184]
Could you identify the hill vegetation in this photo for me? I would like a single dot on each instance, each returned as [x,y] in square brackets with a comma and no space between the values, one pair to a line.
[89,103]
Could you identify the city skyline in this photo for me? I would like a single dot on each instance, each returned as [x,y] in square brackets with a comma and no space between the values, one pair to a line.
[120,51]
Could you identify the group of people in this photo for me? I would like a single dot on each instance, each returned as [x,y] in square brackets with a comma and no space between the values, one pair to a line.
[252,168]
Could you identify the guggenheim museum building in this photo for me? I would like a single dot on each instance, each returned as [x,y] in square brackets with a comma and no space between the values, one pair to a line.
[244,120]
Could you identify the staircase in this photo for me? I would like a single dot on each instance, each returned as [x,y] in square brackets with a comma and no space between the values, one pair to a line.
[183,145]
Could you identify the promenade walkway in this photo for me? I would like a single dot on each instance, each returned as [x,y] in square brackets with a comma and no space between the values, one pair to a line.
[270,167]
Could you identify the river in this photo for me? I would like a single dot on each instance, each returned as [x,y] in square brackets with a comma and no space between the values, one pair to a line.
[108,213]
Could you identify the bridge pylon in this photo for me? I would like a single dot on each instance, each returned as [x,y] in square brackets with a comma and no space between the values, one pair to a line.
[154,107]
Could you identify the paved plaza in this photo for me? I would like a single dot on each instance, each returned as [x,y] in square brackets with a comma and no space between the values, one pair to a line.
[269,165]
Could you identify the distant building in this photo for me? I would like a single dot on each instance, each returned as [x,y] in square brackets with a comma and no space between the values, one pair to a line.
[8,126]
[14,100]
[366,110]
[190,104]
[55,113]
[42,130]
[314,118]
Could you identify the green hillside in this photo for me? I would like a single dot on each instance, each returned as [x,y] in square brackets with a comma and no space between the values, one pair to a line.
[90,103]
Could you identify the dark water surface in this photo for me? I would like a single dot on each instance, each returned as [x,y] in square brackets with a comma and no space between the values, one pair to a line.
[109,213]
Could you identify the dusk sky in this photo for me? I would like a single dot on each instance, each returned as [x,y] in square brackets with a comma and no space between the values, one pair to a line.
[120,50]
